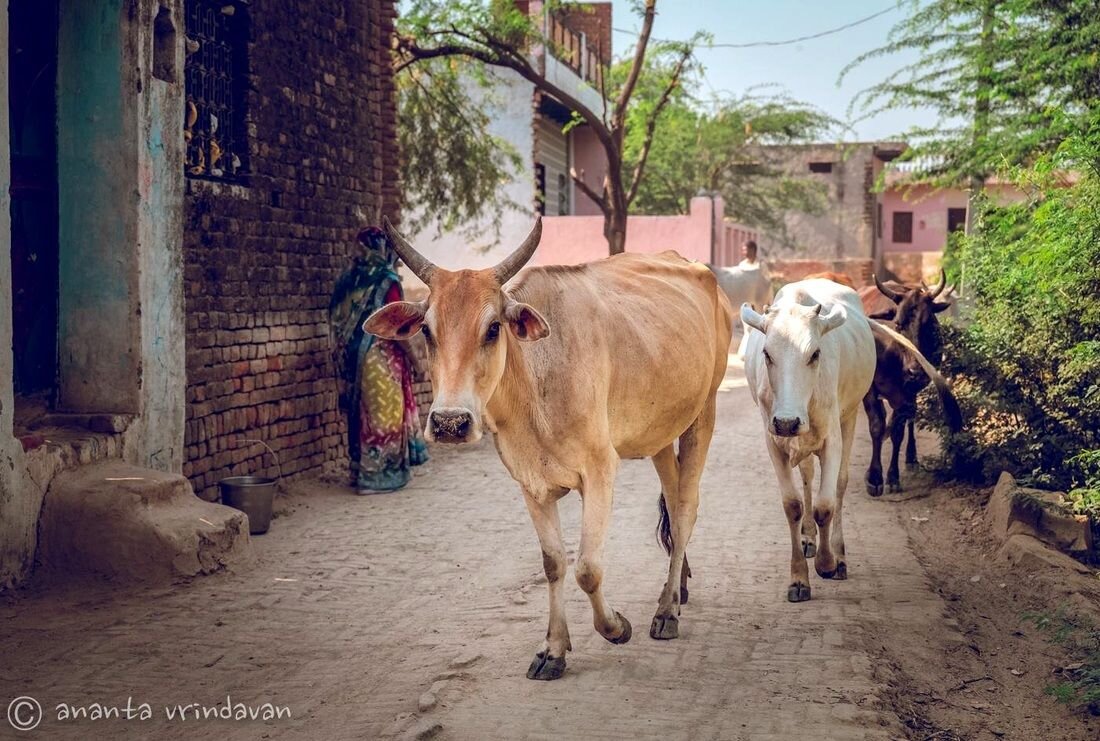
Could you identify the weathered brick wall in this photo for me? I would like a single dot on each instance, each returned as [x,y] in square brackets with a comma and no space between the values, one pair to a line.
[261,257]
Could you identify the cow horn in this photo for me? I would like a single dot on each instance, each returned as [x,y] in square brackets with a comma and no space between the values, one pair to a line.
[511,265]
[936,290]
[421,266]
[892,295]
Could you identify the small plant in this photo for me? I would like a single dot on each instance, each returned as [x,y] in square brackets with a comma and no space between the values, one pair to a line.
[1079,681]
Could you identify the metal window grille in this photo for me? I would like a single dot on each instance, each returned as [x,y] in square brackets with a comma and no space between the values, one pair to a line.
[214,122]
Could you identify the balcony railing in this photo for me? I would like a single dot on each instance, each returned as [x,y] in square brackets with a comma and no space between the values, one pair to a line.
[570,49]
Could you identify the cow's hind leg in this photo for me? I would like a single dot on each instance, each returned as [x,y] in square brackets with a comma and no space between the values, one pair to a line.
[683,511]
[549,661]
[911,446]
[876,425]
[847,430]
[668,470]
[809,527]
[898,419]
[597,490]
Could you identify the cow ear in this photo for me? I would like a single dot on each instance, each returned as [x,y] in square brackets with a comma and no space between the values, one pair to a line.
[830,318]
[754,320]
[887,315]
[524,322]
[937,307]
[397,321]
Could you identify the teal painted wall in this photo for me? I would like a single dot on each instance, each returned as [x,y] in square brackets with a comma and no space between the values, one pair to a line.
[97,169]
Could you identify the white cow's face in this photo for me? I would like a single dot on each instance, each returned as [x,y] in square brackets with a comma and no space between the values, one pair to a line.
[792,359]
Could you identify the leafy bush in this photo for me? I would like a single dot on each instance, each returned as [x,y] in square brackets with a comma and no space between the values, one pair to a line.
[1026,362]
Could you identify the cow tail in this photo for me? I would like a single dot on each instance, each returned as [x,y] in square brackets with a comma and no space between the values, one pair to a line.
[664,525]
[947,397]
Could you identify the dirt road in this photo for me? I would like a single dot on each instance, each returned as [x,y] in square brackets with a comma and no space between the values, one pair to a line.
[416,615]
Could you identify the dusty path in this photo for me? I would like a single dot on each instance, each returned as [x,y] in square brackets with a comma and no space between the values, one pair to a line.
[357,607]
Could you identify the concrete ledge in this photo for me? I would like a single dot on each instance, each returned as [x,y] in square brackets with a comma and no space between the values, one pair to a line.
[117,520]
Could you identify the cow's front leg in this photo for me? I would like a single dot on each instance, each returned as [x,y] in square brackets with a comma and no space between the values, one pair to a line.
[898,419]
[911,446]
[597,488]
[809,527]
[827,505]
[549,662]
[876,425]
[798,590]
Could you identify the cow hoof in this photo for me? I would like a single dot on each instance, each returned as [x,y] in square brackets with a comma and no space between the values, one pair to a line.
[825,573]
[841,571]
[895,488]
[912,465]
[809,548]
[874,490]
[798,593]
[625,635]
[683,595]
[546,667]
[665,627]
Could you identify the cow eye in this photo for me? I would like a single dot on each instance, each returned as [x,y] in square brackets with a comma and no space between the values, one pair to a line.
[427,333]
[815,357]
[492,333]
[767,358]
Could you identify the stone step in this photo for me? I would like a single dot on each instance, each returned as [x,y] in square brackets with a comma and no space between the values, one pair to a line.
[135,524]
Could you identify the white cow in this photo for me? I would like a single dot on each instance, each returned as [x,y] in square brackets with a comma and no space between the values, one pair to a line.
[809,366]
[745,284]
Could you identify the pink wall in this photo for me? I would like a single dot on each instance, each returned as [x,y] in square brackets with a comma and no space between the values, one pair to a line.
[929,209]
[590,159]
[569,240]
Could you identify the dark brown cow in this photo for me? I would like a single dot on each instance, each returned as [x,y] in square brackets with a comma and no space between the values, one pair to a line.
[898,377]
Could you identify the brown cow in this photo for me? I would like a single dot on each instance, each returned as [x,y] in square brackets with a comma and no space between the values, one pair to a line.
[574,369]
[898,378]
[840,278]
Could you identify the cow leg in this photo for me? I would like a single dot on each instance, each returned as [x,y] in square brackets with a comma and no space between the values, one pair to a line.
[898,418]
[847,431]
[809,527]
[826,505]
[799,588]
[549,662]
[911,446]
[668,470]
[876,424]
[597,490]
[683,511]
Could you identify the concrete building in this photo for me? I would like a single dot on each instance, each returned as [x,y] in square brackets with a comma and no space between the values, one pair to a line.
[187,178]
[850,224]
[532,123]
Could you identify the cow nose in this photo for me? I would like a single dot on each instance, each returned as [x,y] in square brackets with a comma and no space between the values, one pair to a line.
[786,427]
[451,425]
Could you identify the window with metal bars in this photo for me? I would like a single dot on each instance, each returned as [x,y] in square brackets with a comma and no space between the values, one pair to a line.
[215,72]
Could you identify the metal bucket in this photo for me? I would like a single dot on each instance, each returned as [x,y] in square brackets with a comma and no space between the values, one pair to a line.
[253,495]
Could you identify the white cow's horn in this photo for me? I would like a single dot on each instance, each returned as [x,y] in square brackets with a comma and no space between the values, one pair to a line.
[511,265]
[421,266]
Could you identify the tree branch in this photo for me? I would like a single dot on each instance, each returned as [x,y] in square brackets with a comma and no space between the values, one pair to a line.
[597,198]
[619,114]
[651,125]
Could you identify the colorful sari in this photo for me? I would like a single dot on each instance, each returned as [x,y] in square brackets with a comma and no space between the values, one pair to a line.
[384,437]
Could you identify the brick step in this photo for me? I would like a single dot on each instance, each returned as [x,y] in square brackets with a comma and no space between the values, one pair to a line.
[135,524]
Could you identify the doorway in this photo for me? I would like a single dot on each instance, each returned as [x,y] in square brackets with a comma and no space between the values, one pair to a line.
[32,108]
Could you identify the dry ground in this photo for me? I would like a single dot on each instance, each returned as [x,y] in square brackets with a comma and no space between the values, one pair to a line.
[416,614]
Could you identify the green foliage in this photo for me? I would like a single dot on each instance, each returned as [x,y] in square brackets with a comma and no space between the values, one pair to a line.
[1086,498]
[1027,366]
[1009,79]
[1079,682]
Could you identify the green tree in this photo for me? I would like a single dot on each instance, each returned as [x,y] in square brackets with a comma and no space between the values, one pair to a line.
[719,147]
[498,34]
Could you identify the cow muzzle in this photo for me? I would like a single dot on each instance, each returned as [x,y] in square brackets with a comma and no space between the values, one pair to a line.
[786,426]
[452,425]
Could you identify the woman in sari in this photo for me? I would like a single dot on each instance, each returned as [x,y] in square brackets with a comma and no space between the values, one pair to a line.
[384,438]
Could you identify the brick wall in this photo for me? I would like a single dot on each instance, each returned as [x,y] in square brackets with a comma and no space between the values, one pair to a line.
[594,21]
[261,257]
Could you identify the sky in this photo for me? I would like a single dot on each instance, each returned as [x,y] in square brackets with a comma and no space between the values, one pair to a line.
[807,70]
